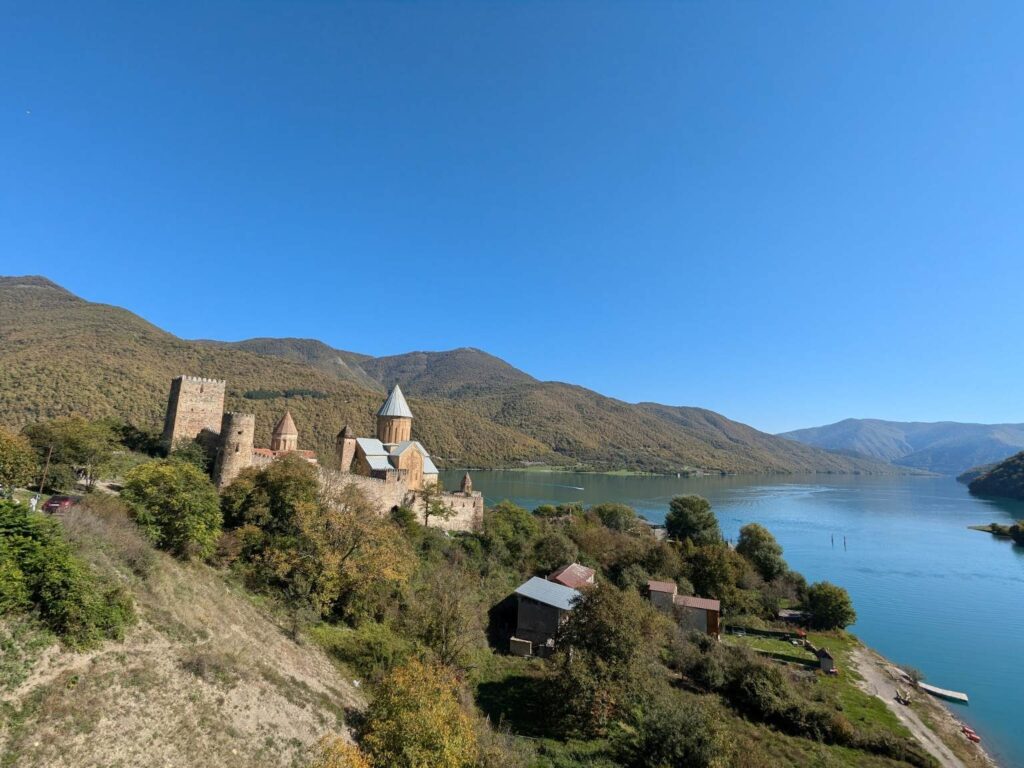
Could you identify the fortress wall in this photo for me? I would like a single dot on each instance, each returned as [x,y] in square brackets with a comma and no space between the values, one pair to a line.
[385,495]
[194,405]
[235,452]
[469,512]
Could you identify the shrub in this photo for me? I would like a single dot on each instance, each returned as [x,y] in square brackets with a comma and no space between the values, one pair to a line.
[335,752]
[672,730]
[176,506]
[41,572]
[102,524]
[371,649]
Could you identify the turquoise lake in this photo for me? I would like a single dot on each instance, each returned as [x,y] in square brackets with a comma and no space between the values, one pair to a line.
[928,592]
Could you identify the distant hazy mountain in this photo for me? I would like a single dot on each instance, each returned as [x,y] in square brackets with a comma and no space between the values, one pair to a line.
[60,354]
[946,447]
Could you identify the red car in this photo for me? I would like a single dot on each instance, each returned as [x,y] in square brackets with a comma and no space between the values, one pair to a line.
[60,503]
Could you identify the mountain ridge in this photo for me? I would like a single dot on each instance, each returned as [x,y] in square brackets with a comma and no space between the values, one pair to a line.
[62,354]
[945,447]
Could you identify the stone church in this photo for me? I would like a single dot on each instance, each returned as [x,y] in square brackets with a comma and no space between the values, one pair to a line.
[392,469]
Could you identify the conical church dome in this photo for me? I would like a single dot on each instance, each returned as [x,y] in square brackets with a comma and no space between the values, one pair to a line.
[395,406]
[286,426]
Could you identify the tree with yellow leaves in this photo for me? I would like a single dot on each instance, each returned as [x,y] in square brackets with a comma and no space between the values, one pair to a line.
[415,721]
[335,752]
[312,538]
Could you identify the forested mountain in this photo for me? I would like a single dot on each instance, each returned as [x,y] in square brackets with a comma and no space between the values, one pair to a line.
[1004,480]
[60,354]
[946,447]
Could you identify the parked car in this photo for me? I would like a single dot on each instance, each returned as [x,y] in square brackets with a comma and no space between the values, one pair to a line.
[60,503]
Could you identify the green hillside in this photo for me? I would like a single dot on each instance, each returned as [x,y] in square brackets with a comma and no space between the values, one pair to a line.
[61,354]
[1004,480]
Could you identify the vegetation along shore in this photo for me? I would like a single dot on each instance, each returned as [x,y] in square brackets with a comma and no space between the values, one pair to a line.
[286,621]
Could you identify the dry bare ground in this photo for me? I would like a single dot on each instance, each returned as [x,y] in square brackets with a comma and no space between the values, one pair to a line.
[930,722]
[206,678]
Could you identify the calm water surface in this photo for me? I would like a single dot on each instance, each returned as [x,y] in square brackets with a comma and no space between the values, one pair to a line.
[928,592]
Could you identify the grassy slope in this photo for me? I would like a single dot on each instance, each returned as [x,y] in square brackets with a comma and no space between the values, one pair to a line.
[62,355]
[204,678]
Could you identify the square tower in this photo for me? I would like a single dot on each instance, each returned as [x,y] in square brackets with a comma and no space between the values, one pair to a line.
[195,405]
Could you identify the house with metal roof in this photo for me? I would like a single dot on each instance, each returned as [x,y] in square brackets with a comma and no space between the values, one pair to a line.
[542,606]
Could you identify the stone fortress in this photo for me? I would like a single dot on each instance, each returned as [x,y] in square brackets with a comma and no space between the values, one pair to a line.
[391,469]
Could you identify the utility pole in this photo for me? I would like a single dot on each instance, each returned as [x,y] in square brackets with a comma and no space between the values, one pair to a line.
[46,470]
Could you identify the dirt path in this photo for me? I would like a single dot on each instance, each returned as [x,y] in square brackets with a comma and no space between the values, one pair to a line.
[880,680]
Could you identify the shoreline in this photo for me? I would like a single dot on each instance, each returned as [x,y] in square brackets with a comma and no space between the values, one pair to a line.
[932,722]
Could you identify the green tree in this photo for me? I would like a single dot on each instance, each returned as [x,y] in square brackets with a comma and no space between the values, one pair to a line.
[509,534]
[830,606]
[761,549]
[710,571]
[670,730]
[415,721]
[552,550]
[602,661]
[176,506]
[321,546]
[690,517]
[193,453]
[432,503]
[445,614]
[618,517]
[17,462]
[82,447]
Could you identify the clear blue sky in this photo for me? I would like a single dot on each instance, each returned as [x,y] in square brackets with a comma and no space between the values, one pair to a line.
[790,213]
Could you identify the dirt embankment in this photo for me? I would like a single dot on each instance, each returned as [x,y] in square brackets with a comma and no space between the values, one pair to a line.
[205,678]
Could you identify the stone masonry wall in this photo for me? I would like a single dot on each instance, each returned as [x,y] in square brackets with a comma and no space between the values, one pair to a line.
[384,496]
[235,451]
[194,405]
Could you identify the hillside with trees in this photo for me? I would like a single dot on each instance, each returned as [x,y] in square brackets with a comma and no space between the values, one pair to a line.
[1004,480]
[62,355]
[284,623]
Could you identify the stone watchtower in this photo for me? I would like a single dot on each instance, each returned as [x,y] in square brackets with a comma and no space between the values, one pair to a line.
[285,436]
[394,419]
[237,436]
[467,485]
[345,448]
[194,406]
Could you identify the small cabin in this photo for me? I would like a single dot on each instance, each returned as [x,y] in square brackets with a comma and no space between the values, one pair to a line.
[661,594]
[826,662]
[542,606]
[701,614]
